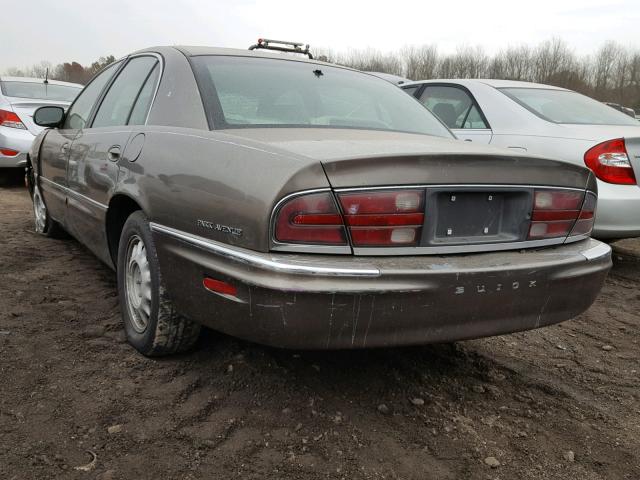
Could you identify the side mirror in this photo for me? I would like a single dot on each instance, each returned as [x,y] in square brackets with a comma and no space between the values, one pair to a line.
[49,116]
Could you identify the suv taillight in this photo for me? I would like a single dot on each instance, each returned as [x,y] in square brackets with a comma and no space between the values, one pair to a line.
[384,218]
[561,213]
[310,219]
[610,162]
[11,120]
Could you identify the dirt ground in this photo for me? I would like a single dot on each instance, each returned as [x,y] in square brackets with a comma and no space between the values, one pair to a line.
[561,402]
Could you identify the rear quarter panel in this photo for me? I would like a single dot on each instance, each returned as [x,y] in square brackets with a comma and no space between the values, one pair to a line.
[187,175]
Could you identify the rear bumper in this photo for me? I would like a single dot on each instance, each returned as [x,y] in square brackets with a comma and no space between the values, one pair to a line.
[325,302]
[618,213]
[15,139]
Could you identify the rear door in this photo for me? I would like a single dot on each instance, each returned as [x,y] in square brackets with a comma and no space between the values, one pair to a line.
[457,108]
[54,153]
[97,151]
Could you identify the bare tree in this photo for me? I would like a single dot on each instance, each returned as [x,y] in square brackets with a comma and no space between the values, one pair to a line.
[612,73]
[420,62]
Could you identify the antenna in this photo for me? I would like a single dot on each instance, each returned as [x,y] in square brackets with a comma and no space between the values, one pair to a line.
[46,76]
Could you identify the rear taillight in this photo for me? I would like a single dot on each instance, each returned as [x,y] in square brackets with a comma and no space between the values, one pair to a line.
[384,218]
[11,120]
[587,217]
[310,219]
[610,162]
[560,213]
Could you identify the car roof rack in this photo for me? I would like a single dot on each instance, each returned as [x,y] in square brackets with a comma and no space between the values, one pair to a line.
[290,47]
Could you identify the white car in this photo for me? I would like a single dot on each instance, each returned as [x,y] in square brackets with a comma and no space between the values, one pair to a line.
[554,122]
[19,98]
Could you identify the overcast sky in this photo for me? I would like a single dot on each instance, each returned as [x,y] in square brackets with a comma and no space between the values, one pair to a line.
[83,30]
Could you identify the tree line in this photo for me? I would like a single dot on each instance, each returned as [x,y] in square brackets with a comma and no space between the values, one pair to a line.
[611,74]
[66,72]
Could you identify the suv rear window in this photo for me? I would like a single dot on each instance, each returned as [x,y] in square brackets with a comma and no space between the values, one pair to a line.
[565,106]
[261,92]
[37,90]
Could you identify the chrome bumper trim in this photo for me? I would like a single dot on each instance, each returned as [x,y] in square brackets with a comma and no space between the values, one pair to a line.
[596,252]
[261,261]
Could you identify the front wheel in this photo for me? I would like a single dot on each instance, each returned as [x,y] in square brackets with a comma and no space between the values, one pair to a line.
[151,324]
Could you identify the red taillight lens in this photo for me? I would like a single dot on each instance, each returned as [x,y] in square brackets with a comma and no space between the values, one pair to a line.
[11,120]
[584,225]
[7,152]
[384,218]
[559,213]
[311,219]
[609,161]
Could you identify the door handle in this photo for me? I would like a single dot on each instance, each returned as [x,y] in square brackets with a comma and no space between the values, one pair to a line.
[64,148]
[113,154]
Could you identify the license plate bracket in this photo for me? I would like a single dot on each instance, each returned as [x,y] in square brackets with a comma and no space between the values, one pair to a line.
[461,216]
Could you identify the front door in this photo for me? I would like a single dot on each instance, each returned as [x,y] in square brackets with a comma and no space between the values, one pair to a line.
[54,155]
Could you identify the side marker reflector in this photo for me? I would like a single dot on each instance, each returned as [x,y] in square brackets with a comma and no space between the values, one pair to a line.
[218,286]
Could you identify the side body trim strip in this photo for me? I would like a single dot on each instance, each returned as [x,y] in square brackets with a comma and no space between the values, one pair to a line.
[261,261]
[77,195]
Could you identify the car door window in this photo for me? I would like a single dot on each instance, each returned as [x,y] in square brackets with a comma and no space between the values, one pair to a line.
[454,106]
[474,119]
[411,90]
[79,113]
[143,103]
[118,102]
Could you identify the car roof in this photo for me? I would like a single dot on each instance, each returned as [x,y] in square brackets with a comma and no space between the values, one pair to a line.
[193,51]
[5,78]
[487,81]
[390,77]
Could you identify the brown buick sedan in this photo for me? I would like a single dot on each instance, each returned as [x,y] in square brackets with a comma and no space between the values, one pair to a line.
[301,204]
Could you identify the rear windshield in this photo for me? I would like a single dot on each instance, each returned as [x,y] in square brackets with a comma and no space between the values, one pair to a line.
[260,92]
[564,106]
[40,91]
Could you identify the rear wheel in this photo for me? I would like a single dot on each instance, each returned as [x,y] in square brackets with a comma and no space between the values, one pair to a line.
[152,325]
[44,224]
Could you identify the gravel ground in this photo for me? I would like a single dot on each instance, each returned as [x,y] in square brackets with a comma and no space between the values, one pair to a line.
[561,402]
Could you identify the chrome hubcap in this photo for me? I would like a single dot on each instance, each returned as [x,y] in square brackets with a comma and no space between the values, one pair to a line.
[138,284]
[39,211]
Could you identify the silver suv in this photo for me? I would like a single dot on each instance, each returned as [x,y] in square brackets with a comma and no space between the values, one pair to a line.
[19,98]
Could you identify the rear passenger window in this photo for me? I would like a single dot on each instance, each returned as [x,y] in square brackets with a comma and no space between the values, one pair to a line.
[411,90]
[454,106]
[143,103]
[118,103]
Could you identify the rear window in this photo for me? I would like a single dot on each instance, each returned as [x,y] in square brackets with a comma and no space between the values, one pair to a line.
[40,91]
[259,92]
[564,106]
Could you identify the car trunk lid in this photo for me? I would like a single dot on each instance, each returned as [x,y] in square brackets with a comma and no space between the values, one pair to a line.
[633,150]
[471,198]
[26,108]
[359,158]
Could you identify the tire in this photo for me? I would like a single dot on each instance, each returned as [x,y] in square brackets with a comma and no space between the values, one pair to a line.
[151,323]
[44,224]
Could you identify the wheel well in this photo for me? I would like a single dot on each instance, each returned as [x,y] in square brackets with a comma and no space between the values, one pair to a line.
[120,208]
